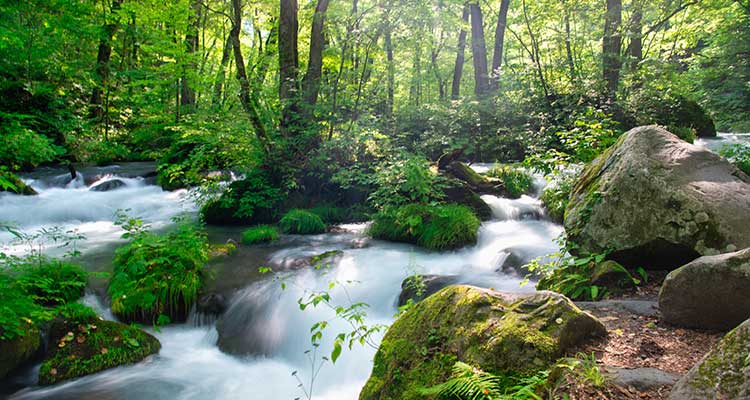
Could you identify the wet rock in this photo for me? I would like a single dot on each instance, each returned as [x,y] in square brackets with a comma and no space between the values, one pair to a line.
[512,260]
[249,326]
[108,186]
[641,378]
[477,183]
[708,293]
[658,202]
[460,193]
[17,351]
[494,331]
[723,373]
[211,304]
[419,287]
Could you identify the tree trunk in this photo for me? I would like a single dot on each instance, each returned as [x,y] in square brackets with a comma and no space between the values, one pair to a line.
[246,98]
[221,75]
[187,93]
[568,46]
[391,71]
[479,51]
[497,58]
[635,33]
[311,81]
[288,66]
[611,46]
[104,54]
[458,69]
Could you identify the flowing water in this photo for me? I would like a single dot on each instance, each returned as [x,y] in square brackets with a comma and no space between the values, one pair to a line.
[265,317]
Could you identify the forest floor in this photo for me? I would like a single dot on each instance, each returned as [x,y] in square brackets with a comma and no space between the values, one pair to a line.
[643,355]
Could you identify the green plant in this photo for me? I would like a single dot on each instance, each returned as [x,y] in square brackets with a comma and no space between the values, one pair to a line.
[53,282]
[407,179]
[251,200]
[437,227]
[331,214]
[155,275]
[685,133]
[260,234]
[76,312]
[556,195]
[18,311]
[470,383]
[739,155]
[515,180]
[585,369]
[302,222]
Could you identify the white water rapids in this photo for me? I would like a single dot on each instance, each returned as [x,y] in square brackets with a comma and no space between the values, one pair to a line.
[190,365]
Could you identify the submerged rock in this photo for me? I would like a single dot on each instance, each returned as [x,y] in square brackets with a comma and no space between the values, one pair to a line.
[85,347]
[497,332]
[16,351]
[108,186]
[708,293]
[418,287]
[723,373]
[656,201]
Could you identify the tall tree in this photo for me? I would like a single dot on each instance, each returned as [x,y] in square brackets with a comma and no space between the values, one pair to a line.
[497,58]
[192,41]
[288,51]
[311,81]
[103,57]
[479,52]
[612,46]
[458,68]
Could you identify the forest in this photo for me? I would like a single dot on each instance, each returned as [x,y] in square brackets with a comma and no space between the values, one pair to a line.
[375,199]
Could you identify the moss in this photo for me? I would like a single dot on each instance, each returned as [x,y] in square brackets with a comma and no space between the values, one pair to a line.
[80,348]
[17,185]
[260,234]
[497,332]
[302,222]
[516,181]
[319,258]
[721,371]
[218,250]
[16,351]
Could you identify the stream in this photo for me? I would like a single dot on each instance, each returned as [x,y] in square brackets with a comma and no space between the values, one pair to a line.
[190,365]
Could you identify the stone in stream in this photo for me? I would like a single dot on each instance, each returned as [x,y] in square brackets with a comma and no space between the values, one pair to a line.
[419,287]
[211,304]
[657,202]
[108,186]
[460,193]
[712,292]
[497,332]
[15,352]
[723,373]
[18,185]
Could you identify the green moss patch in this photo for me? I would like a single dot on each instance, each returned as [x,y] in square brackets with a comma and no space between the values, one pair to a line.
[260,234]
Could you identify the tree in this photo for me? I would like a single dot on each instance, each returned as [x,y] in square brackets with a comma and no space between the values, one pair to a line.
[479,52]
[460,50]
[497,58]
[612,46]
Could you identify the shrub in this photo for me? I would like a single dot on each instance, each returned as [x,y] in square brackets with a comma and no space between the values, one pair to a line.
[251,200]
[53,282]
[260,234]
[76,312]
[18,312]
[685,133]
[556,195]
[302,222]
[739,155]
[515,180]
[405,180]
[158,275]
[331,214]
[437,227]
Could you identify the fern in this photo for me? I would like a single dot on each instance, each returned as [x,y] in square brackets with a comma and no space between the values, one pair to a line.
[467,383]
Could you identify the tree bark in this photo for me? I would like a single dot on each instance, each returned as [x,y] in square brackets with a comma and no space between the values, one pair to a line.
[311,81]
[635,33]
[391,70]
[568,46]
[479,51]
[221,75]
[288,51]
[497,58]
[460,55]
[187,93]
[612,46]
[103,57]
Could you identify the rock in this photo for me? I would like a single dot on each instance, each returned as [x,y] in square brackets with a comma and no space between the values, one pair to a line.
[645,308]
[478,183]
[220,250]
[108,186]
[641,378]
[497,332]
[460,193]
[656,201]
[709,293]
[17,185]
[211,304]
[723,373]
[419,287]
[15,352]
[611,275]
[512,261]
[85,347]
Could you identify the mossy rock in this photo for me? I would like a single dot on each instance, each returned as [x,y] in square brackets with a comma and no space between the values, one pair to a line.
[478,183]
[496,332]
[18,185]
[14,352]
[79,348]
[723,373]
[221,250]
[458,192]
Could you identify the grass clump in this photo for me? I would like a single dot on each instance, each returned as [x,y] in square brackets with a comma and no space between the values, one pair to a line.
[516,181]
[556,195]
[260,234]
[436,227]
[53,282]
[158,275]
[302,222]
[331,214]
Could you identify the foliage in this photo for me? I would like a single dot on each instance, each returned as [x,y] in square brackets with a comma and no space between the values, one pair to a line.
[585,369]
[260,234]
[556,195]
[302,222]
[18,311]
[404,180]
[739,155]
[250,200]
[155,275]
[22,148]
[437,227]
[331,214]
[470,383]
[76,313]
[515,180]
[53,282]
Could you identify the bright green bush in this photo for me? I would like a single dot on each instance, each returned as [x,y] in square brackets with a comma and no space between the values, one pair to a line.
[76,312]
[515,180]
[158,275]
[331,214]
[437,227]
[739,155]
[260,234]
[685,133]
[404,180]
[556,195]
[53,282]
[248,201]
[302,222]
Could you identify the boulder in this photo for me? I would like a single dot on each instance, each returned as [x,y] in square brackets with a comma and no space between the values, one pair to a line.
[15,352]
[612,275]
[108,186]
[657,202]
[419,287]
[460,193]
[211,304]
[497,332]
[723,373]
[476,182]
[79,348]
[708,293]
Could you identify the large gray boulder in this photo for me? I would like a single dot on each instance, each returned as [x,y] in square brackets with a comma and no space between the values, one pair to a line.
[711,292]
[656,201]
[723,373]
